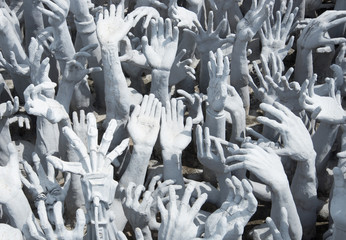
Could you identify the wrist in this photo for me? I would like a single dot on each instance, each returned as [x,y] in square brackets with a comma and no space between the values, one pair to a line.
[85,23]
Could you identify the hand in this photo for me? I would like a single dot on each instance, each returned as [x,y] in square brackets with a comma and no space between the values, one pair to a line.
[8,109]
[273,38]
[13,66]
[60,232]
[181,70]
[38,70]
[177,221]
[163,44]
[283,234]
[144,123]
[325,109]
[181,15]
[39,105]
[10,184]
[315,34]
[209,40]
[233,101]
[75,69]
[295,137]
[80,126]
[58,11]
[130,51]
[174,136]
[22,120]
[215,162]
[44,185]
[337,210]
[158,190]
[138,213]
[264,163]
[253,20]
[194,105]
[341,59]
[235,212]
[218,74]
[111,26]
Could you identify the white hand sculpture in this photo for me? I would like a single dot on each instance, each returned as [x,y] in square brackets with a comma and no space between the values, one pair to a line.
[185,18]
[274,38]
[58,10]
[194,105]
[174,136]
[283,233]
[144,123]
[237,209]
[181,70]
[163,44]
[325,109]
[37,104]
[177,221]
[295,137]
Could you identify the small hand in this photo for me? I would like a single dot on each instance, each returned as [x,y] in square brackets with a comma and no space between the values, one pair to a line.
[144,123]
[181,69]
[163,44]
[194,105]
[174,136]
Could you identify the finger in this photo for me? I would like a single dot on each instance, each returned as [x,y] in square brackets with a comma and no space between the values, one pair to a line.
[107,137]
[273,111]
[270,123]
[80,223]
[168,28]
[112,156]
[59,221]
[198,204]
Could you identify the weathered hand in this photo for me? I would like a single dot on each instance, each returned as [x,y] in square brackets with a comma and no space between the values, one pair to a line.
[283,234]
[177,221]
[295,137]
[181,70]
[163,44]
[174,136]
[253,20]
[75,69]
[39,105]
[214,161]
[181,15]
[315,34]
[8,109]
[236,211]
[194,105]
[274,38]
[209,39]
[144,123]
[138,213]
[13,66]
[58,11]
[326,109]
[60,232]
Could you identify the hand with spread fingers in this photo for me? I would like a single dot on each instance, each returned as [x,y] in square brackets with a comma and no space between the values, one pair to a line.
[178,217]
[235,212]
[274,38]
[326,109]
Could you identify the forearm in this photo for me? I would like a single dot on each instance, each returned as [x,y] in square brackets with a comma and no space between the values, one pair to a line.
[304,64]
[239,66]
[304,191]
[63,46]
[65,93]
[216,122]
[33,20]
[172,167]
[18,210]
[238,125]
[117,94]
[282,197]
[323,140]
[160,85]
[204,73]
[5,139]
[137,168]
[240,72]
